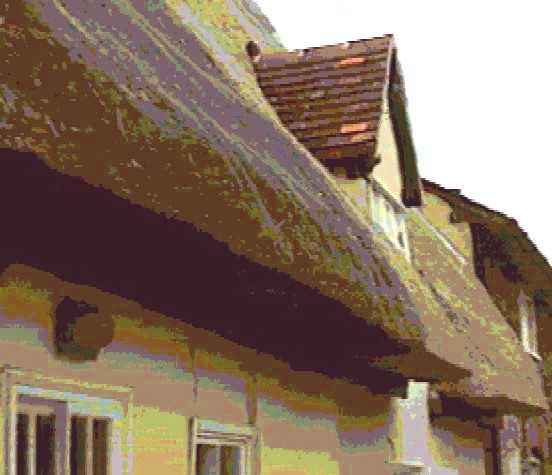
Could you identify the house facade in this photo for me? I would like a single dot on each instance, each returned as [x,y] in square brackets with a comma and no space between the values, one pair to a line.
[517,277]
[214,263]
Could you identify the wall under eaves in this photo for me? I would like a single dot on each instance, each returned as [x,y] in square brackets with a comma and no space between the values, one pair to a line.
[459,445]
[307,423]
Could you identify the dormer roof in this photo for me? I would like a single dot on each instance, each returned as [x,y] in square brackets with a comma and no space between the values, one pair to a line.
[332,98]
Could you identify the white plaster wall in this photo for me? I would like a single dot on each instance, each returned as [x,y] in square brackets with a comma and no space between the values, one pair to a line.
[303,429]
[459,444]
[448,447]
[309,424]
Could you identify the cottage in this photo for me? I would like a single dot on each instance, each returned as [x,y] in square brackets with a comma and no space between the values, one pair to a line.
[518,279]
[327,97]
[203,273]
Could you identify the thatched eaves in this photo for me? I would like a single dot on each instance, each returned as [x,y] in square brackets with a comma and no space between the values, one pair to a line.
[321,94]
[512,243]
[501,369]
[125,106]
[513,252]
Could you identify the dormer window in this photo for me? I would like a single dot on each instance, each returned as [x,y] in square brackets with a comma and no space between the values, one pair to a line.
[528,325]
[346,104]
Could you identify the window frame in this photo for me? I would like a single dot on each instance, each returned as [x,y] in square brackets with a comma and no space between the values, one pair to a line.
[71,398]
[528,325]
[210,432]
[389,216]
[532,465]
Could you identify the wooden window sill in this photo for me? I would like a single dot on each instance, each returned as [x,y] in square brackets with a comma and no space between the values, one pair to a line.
[535,356]
[404,467]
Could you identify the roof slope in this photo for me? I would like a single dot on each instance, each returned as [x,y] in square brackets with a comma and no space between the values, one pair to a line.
[514,247]
[500,365]
[127,98]
[517,247]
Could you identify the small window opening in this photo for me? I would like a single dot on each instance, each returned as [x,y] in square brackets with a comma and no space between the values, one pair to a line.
[400,238]
[528,324]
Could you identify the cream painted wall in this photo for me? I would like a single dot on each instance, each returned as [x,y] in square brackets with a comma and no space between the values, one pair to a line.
[177,372]
[297,426]
[447,446]
[364,430]
[160,376]
[388,171]
[459,444]
[308,423]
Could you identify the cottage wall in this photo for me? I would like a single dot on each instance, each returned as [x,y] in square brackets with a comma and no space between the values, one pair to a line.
[158,373]
[459,444]
[306,425]
[298,430]
[447,445]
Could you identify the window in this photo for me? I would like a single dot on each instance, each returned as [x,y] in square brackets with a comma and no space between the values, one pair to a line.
[532,466]
[54,432]
[41,427]
[389,216]
[512,461]
[221,449]
[90,441]
[217,460]
[528,325]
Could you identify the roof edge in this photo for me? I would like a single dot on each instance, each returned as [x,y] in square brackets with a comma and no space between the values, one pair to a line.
[402,130]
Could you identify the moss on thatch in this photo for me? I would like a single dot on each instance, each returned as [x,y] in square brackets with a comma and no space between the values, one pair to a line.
[493,351]
[132,97]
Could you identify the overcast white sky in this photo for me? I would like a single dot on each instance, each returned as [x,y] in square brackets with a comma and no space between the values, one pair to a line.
[478,77]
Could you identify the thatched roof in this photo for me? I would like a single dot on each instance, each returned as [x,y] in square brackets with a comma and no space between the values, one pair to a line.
[153,116]
[500,365]
[322,95]
[511,241]
[515,252]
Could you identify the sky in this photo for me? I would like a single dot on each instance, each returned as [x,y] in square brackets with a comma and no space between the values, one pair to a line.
[478,77]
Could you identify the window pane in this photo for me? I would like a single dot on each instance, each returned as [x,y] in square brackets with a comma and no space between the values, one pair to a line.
[207,459]
[230,460]
[100,446]
[22,444]
[532,328]
[78,445]
[45,453]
